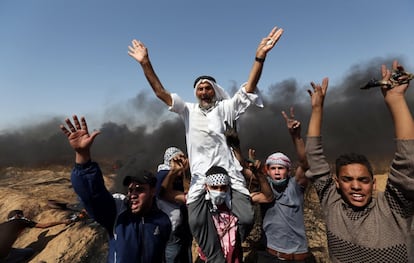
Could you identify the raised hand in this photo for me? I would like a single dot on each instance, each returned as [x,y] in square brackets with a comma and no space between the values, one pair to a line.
[254,164]
[394,98]
[78,135]
[292,124]
[138,51]
[179,165]
[317,98]
[318,93]
[387,74]
[254,167]
[232,137]
[269,42]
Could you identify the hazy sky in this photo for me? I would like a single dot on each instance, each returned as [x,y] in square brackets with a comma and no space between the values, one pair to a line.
[58,58]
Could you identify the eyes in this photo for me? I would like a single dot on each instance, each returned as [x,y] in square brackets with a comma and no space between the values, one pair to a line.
[136,188]
[204,88]
[221,188]
[362,179]
[274,168]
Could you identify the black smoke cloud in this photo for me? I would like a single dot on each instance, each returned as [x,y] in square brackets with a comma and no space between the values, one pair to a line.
[354,120]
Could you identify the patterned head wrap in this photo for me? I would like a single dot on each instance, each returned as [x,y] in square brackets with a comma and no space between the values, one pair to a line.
[217,175]
[217,179]
[170,153]
[220,93]
[280,159]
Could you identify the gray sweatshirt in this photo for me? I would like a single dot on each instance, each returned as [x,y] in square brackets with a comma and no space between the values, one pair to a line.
[381,231]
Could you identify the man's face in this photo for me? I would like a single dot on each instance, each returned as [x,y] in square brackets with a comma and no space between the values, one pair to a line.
[277,171]
[140,197]
[205,95]
[356,184]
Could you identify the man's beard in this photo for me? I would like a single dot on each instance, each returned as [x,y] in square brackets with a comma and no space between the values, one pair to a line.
[206,105]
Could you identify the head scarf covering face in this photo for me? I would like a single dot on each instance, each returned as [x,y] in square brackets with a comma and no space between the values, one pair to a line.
[220,93]
[279,159]
[169,154]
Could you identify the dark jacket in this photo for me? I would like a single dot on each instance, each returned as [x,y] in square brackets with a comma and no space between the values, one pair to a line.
[10,231]
[132,238]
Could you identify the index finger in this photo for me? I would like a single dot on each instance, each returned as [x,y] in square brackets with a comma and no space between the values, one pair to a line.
[275,34]
[285,116]
[325,83]
[64,130]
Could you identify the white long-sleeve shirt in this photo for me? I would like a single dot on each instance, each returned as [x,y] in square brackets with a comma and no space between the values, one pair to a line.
[206,143]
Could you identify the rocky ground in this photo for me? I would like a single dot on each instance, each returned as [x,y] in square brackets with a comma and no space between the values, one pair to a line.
[30,190]
[84,241]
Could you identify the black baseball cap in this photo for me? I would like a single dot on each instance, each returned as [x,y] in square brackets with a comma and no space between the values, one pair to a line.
[139,176]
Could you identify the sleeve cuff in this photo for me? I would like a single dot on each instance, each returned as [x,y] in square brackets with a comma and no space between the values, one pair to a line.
[83,165]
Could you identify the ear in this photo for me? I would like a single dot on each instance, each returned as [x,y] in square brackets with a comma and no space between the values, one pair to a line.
[265,170]
[336,180]
[374,184]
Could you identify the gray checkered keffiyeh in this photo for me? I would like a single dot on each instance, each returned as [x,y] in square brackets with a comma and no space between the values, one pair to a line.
[169,154]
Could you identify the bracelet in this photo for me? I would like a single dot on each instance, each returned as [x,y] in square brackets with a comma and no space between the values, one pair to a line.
[260,60]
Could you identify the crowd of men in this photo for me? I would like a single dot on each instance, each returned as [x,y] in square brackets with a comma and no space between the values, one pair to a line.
[218,207]
[157,219]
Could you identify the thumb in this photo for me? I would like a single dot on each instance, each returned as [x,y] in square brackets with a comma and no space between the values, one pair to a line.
[94,134]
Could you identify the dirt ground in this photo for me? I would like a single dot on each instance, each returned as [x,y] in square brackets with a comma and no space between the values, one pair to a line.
[84,241]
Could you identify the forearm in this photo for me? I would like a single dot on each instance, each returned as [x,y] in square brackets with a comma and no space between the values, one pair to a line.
[303,162]
[88,183]
[167,192]
[83,157]
[299,144]
[238,155]
[266,194]
[401,115]
[167,183]
[318,164]
[155,83]
[254,76]
[402,170]
[265,187]
[315,122]
[175,196]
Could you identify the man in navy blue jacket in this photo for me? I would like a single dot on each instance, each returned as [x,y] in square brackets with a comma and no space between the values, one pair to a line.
[138,230]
